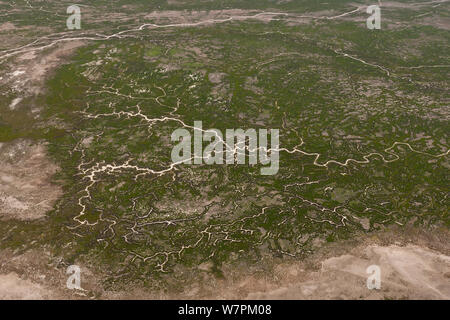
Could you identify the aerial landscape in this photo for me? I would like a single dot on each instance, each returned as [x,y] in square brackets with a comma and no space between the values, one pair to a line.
[224,149]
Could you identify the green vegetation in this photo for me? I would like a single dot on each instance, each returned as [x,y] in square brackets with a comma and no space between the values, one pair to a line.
[298,77]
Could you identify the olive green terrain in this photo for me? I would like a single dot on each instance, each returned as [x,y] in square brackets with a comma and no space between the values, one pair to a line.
[362,114]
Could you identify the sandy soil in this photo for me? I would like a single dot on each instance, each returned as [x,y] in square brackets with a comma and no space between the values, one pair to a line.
[12,287]
[26,192]
[28,73]
[409,272]
[37,274]
[414,264]
[7,26]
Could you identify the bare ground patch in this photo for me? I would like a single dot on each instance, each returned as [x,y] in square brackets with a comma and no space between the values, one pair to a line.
[410,272]
[414,264]
[37,275]
[27,75]
[26,192]
[12,287]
